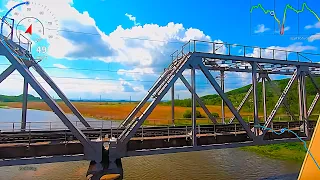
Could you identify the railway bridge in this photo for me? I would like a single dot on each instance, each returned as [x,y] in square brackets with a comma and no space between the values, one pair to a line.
[105,147]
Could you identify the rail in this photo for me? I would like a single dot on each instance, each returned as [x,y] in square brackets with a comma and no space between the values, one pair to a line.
[65,136]
[244,51]
[102,124]
[11,26]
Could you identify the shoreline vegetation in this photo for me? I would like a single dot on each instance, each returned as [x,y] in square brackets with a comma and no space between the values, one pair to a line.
[293,152]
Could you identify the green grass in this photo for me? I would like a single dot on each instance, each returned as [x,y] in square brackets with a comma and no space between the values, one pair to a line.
[284,151]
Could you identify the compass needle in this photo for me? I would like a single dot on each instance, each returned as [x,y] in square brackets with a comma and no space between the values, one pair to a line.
[36,27]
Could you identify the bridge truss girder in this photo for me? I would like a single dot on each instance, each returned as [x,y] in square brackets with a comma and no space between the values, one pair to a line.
[92,149]
[197,60]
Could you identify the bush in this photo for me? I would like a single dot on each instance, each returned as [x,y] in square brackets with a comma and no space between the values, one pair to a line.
[216,115]
[188,114]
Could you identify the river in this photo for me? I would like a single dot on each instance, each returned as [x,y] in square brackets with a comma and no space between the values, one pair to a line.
[213,164]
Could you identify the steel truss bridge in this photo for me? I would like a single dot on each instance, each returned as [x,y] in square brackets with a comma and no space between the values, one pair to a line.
[105,147]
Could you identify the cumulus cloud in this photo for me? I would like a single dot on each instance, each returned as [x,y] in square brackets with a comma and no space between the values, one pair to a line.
[261,29]
[60,66]
[280,53]
[132,18]
[314,37]
[316,25]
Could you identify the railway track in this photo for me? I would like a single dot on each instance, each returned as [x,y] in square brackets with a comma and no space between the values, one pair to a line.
[66,135]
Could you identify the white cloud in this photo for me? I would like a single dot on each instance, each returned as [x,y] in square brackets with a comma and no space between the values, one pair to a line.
[60,66]
[261,29]
[132,18]
[316,25]
[314,37]
[286,28]
[278,54]
[68,45]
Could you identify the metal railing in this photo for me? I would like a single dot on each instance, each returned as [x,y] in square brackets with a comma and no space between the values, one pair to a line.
[113,124]
[10,25]
[244,51]
[54,126]
[65,136]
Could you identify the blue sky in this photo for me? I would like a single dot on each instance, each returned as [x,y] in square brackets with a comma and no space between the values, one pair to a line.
[117,48]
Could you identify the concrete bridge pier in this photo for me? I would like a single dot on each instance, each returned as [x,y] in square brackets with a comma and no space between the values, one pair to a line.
[111,165]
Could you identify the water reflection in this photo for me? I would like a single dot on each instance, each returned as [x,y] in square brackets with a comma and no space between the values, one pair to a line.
[214,164]
[37,119]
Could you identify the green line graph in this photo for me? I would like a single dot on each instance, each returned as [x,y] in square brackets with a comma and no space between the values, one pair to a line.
[288,7]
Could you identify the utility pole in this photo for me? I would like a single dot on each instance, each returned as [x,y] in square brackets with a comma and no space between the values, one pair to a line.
[130,100]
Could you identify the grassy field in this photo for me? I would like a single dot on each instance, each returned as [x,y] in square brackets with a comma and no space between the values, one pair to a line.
[286,151]
[119,111]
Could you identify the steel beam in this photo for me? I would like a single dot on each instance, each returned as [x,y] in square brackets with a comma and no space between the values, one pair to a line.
[205,109]
[216,86]
[255,98]
[24,105]
[148,95]
[242,103]
[25,72]
[6,73]
[316,98]
[313,104]
[222,101]
[279,102]
[284,103]
[172,104]
[63,97]
[129,132]
[303,102]
[253,59]
[193,100]
[264,98]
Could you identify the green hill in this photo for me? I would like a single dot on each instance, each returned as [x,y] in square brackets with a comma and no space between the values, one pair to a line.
[237,95]
[4,98]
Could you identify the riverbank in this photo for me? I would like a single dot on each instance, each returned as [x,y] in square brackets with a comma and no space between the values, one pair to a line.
[294,152]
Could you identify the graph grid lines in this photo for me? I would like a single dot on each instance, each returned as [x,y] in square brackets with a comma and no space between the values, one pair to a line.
[281,23]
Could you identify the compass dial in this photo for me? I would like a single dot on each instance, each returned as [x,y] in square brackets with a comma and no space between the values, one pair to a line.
[35,26]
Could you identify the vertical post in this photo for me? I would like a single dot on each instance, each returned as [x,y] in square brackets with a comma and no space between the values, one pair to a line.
[222,103]
[172,103]
[300,98]
[264,99]
[304,103]
[194,128]
[12,29]
[24,105]
[255,97]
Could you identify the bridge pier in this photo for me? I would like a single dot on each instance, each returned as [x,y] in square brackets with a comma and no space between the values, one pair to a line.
[109,168]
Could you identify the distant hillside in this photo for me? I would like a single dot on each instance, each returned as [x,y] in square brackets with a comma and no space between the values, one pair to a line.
[4,98]
[237,95]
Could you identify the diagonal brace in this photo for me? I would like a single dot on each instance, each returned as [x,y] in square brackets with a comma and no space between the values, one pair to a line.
[280,100]
[6,73]
[185,82]
[316,99]
[242,102]
[30,79]
[53,85]
[226,100]
[284,101]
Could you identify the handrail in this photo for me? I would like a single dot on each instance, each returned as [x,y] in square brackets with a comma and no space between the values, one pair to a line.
[269,53]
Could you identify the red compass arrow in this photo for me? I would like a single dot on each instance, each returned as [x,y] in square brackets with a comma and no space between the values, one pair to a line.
[29,30]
